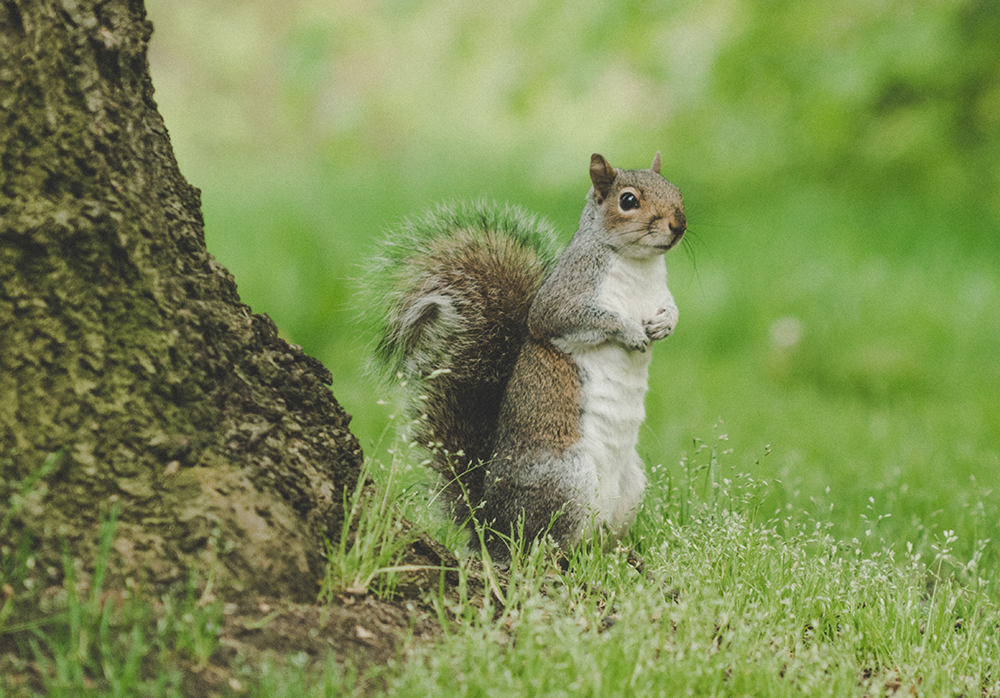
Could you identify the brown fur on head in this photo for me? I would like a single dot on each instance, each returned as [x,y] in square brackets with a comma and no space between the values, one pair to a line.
[643,212]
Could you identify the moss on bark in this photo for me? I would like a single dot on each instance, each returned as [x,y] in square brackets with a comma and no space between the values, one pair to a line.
[124,345]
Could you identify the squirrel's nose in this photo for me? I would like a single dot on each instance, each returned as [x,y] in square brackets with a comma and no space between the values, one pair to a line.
[677,223]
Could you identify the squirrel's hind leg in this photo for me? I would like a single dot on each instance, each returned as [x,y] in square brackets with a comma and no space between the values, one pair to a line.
[517,514]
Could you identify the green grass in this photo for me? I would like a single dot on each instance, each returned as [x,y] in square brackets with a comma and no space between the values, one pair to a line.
[732,600]
[373,540]
[730,607]
[102,641]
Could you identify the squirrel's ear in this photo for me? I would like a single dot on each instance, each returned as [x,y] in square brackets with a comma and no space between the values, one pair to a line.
[655,167]
[602,174]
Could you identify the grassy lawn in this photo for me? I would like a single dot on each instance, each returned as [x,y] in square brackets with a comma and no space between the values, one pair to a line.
[823,431]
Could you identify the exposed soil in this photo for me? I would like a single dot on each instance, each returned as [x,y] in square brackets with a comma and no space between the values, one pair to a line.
[358,631]
[361,631]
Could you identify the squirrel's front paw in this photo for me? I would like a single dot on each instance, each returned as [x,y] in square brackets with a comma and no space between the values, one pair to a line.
[662,325]
[637,340]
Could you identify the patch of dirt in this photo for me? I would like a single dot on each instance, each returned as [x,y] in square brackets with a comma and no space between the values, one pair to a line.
[360,631]
[363,632]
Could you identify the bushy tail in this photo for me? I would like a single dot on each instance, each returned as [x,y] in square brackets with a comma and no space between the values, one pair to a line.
[452,291]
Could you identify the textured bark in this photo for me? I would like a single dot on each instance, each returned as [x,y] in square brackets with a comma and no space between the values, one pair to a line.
[124,346]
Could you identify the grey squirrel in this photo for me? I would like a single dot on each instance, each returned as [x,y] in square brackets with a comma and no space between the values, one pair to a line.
[529,371]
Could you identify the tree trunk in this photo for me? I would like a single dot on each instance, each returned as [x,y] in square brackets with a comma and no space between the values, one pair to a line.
[124,347]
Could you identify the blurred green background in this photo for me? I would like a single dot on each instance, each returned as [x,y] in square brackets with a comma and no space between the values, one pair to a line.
[840,163]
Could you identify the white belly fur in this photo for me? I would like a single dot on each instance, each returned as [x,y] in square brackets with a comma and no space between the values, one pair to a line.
[611,478]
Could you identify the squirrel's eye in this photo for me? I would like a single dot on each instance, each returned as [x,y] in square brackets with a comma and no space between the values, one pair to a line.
[628,201]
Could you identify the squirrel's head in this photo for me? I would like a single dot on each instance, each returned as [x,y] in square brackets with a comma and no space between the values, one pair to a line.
[642,212]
